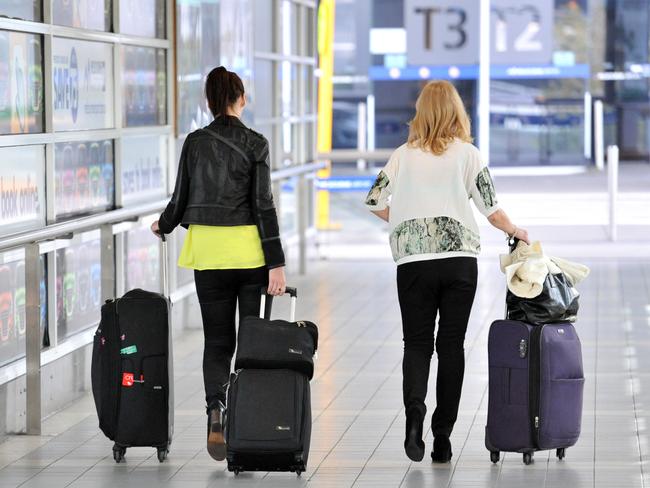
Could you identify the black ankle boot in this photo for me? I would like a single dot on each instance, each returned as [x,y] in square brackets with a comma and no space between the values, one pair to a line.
[216,442]
[441,449]
[413,444]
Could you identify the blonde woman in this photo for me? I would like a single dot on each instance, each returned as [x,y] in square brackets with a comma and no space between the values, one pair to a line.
[424,193]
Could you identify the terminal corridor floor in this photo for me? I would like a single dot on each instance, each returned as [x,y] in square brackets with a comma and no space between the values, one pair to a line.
[358,419]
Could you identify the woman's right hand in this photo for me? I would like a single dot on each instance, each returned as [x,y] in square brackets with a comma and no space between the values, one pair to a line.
[277,281]
[522,235]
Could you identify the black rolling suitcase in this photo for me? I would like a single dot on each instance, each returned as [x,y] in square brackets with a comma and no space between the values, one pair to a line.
[268,421]
[132,375]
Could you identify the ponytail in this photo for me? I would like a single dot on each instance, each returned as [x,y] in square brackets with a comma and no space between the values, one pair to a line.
[222,89]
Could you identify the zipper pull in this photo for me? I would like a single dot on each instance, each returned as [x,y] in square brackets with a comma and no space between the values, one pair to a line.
[537,422]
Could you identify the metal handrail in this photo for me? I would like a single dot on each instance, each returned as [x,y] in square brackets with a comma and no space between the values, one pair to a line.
[124,214]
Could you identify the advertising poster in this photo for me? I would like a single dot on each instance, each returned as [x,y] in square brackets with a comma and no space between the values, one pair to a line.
[83,177]
[197,30]
[21,9]
[144,18]
[144,84]
[13,323]
[83,84]
[22,188]
[78,285]
[21,83]
[142,260]
[144,159]
[85,14]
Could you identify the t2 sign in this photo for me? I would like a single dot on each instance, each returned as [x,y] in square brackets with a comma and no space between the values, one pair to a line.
[440,32]
[522,31]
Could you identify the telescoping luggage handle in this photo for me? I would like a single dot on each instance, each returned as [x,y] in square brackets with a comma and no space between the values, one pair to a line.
[289,290]
[165,265]
[512,245]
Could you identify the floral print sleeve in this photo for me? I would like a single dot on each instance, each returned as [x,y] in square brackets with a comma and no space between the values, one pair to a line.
[379,195]
[482,190]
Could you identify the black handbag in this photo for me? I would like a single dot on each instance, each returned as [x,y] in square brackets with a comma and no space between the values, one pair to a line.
[558,302]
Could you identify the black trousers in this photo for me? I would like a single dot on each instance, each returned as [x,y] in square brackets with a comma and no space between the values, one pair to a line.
[219,291]
[426,289]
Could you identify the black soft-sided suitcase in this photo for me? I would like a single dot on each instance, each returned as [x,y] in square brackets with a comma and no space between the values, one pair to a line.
[277,344]
[132,376]
[268,421]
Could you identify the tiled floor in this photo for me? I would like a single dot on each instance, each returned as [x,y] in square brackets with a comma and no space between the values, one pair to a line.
[357,412]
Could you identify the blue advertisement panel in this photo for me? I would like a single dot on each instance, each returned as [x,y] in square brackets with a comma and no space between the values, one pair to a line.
[144,84]
[83,177]
[21,82]
[78,285]
[82,74]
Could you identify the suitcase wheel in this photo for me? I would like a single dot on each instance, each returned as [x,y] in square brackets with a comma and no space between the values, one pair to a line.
[560,453]
[236,471]
[495,456]
[118,453]
[162,453]
[528,458]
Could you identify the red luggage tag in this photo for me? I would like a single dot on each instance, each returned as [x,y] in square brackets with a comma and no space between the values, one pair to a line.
[127,379]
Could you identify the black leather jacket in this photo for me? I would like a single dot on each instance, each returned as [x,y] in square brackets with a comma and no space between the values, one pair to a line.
[218,184]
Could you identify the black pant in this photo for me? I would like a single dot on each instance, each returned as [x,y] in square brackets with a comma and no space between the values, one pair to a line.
[219,290]
[425,289]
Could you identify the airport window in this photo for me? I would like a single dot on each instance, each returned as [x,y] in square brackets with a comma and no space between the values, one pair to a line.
[22,188]
[83,177]
[82,84]
[144,18]
[84,14]
[21,9]
[13,323]
[21,82]
[78,284]
[144,163]
[144,84]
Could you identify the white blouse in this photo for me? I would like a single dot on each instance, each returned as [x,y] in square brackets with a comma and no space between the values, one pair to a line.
[428,195]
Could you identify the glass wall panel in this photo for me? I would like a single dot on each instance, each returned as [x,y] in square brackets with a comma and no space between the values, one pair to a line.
[144,18]
[144,163]
[142,263]
[288,216]
[83,84]
[263,81]
[22,9]
[78,284]
[144,82]
[263,18]
[22,188]
[197,25]
[21,82]
[85,14]
[83,177]
[12,305]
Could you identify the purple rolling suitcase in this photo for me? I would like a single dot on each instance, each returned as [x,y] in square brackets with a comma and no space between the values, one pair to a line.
[535,388]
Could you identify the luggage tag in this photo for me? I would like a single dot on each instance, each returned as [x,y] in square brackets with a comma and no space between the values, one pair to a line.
[128,379]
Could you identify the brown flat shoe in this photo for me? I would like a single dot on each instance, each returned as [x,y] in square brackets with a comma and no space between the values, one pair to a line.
[216,440]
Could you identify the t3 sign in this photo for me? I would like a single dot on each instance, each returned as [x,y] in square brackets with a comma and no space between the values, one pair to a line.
[442,32]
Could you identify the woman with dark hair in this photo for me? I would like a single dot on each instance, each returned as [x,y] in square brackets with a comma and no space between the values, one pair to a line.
[223,197]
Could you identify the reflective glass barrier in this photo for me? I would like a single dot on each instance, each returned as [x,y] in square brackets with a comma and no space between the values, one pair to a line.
[85,14]
[144,82]
[83,84]
[142,18]
[142,263]
[83,177]
[22,9]
[144,163]
[78,284]
[21,82]
[12,305]
[22,188]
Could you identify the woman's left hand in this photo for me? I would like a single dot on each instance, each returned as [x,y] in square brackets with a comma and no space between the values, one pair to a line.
[277,281]
[155,229]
